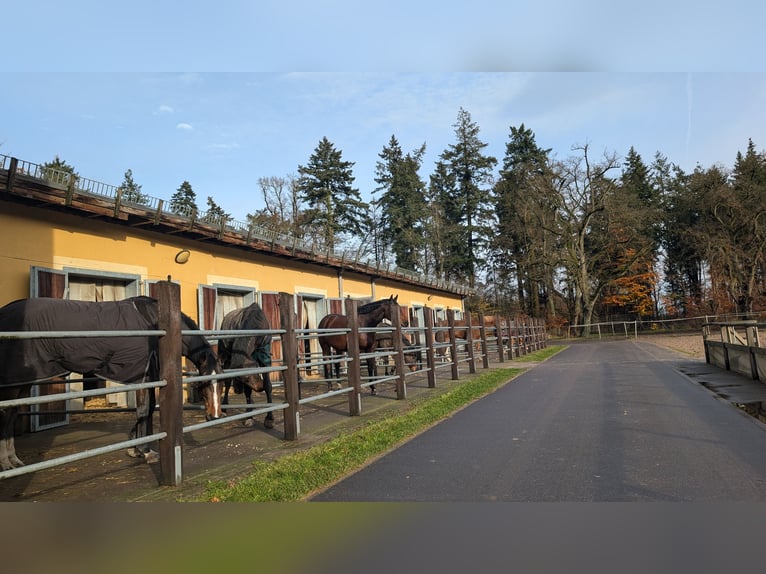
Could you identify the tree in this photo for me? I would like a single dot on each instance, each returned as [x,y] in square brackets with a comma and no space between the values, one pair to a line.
[130,191]
[587,229]
[402,204]
[58,171]
[641,213]
[683,256]
[524,249]
[735,227]
[634,291]
[438,230]
[215,213]
[184,201]
[281,213]
[335,208]
[468,210]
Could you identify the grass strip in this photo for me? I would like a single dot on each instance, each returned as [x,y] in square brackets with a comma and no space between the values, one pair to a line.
[294,477]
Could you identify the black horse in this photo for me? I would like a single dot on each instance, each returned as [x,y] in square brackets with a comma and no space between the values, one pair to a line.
[369,316]
[247,353]
[24,362]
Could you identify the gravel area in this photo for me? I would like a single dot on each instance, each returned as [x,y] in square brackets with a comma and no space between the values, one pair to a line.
[691,345]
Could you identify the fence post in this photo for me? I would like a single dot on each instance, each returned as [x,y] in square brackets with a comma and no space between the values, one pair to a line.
[522,330]
[430,339]
[510,326]
[483,334]
[751,332]
[453,343]
[171,395]
[11,182]
[290,358]
[354,367]
[469,343]
[401,387]
[499,335]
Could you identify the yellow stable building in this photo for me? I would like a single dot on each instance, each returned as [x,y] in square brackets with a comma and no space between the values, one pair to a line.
[66,236]
[69,237]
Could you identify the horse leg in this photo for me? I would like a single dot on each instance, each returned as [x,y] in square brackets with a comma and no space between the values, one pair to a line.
[8,458]
[269,420]
[372,370]
[248,400]
[226,387]
[145,404]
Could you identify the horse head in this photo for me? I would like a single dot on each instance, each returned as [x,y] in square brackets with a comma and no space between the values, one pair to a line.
[197,349]
[207,363]
[390,306]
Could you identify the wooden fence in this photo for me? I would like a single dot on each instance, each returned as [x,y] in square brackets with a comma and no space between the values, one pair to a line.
[505,339]
[736,346]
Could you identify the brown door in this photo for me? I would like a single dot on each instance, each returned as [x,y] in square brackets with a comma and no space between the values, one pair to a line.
[270,306]
[46,283]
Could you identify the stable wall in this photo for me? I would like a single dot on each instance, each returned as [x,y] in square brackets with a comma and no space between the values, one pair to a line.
[32,236]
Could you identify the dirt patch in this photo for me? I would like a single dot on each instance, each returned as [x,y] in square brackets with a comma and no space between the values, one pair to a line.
[688,344]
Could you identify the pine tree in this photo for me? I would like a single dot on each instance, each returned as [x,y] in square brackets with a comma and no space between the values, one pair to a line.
[184,201]
[215,213]
[58,171]
[684,257]
[335,208]
[438,229]
[130,191]
[402,204]
[524,245]
[470,208]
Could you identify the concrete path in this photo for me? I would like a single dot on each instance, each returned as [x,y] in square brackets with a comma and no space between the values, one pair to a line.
[612,421]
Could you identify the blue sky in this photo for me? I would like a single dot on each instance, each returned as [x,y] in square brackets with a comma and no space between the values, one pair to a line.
[259,83]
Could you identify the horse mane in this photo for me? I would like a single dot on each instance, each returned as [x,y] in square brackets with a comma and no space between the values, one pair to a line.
[370,307]
[147,307]
[189,324]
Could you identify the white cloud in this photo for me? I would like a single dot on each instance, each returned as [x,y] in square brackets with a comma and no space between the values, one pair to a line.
[165,109]
[184,126]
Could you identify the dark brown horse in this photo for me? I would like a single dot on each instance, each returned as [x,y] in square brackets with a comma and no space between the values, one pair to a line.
[24,362]
[369,315]
[247,353]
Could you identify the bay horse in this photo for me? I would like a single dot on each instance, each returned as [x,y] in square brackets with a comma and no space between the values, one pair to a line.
[369,315]
[247,353]
[24,362]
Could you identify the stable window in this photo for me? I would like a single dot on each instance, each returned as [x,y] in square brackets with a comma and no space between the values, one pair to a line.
[215,301]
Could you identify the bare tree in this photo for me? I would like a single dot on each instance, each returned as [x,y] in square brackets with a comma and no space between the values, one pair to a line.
[585,191]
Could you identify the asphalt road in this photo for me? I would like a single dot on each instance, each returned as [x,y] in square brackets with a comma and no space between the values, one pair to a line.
[613,421]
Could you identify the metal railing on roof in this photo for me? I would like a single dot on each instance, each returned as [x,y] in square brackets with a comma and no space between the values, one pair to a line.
[65,179]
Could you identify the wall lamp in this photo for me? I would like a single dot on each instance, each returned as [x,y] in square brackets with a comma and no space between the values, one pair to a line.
[183,256]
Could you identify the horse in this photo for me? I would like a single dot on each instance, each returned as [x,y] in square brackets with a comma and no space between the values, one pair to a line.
[385,340]
[247,353]
[442,336]
[461,332]
[369,315]
[24,362]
